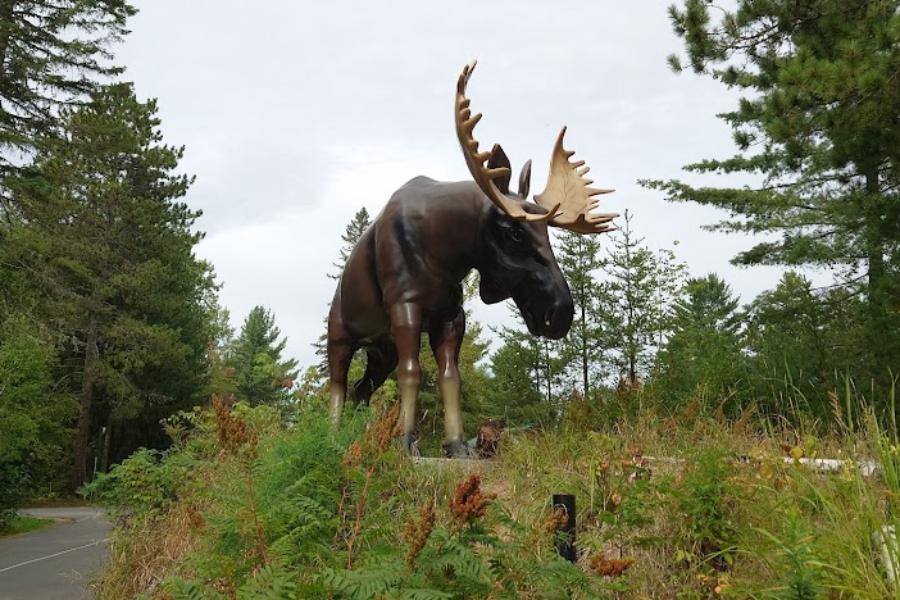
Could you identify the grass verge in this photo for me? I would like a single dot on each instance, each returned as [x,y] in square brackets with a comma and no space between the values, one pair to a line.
[25,524]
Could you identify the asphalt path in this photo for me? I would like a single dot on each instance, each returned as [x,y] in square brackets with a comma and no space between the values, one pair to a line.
[56,562]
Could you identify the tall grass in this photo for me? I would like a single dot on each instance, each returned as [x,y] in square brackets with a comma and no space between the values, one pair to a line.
[690,505]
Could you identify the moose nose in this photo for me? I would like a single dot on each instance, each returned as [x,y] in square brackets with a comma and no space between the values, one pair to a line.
[558,320]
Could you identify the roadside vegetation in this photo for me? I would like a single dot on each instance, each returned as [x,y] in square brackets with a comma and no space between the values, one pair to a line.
[688,504]
[17,524]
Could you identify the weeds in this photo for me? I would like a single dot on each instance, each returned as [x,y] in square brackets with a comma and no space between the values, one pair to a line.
[689,505]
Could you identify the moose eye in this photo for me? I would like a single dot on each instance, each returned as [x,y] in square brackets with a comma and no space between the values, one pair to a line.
[515,235]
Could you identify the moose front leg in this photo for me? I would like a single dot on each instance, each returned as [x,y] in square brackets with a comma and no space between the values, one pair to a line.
[446,340]
[406,328]
[339,356]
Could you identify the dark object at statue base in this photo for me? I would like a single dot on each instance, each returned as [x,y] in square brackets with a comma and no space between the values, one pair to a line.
[458,449]
[410,445]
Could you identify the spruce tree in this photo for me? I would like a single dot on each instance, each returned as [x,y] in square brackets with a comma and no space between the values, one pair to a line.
[802,339]
[518,388]
[353,232]
[704,353]
[819,123]
[262,376]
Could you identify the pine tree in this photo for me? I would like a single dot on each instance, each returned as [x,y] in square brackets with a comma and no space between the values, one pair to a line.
[819,123]
[51,54]
[582,349]
[538,357]
[108,250]
[262,376]
[640,288]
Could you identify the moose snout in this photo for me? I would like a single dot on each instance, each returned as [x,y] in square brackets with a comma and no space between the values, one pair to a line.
[558,319]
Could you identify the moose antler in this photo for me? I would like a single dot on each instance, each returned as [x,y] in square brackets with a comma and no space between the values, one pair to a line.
[568,188]
[484,176]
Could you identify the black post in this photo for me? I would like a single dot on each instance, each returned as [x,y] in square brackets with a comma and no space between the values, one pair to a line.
[565,540]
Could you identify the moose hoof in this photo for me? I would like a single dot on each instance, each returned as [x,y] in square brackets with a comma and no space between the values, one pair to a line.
[458,449]
[409,444]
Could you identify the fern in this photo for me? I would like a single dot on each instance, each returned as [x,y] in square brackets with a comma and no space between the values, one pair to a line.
[272,582]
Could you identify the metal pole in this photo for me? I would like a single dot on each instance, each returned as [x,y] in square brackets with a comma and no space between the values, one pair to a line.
[565,540]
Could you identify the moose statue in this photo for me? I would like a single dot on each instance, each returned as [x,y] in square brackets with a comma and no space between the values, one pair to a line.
[404,277]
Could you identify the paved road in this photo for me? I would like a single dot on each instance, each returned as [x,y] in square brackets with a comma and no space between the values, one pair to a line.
[57,562]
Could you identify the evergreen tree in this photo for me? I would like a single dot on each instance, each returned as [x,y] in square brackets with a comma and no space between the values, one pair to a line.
[819,123]
[355,229]
[704,353]
[538,360]
[582,349]
[109,250]
[51,55]
[351,236]
[639,293]
[800,339]
[262,376]
[517,391]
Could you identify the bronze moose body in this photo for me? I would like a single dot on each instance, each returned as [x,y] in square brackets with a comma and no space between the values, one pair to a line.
[404,277]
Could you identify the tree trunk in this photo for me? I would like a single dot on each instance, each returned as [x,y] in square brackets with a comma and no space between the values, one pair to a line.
[83,430]
[7,10]
[547,360]
[584,349]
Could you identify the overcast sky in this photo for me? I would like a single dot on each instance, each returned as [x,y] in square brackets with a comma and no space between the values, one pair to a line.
[297,114]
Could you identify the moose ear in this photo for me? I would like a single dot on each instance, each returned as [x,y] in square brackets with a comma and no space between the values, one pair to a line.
[499,160]
[525,180]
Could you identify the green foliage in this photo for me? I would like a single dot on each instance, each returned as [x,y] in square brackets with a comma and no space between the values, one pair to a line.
[52,55]
[796,558]
[705,349]
[333,511]
[640,288]
[261,375]
[353,232]
[705,501]
[351,236]
[109,253]
[345,515]
[818,126]
[582,349]
[144,484]
[517,385]
[799,338]
[32,414]
[23,524]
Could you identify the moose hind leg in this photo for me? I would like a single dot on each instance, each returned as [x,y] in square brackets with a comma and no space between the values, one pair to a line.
[446,340]
[380,362]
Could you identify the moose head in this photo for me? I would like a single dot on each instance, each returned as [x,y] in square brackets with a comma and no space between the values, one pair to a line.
[404,277]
